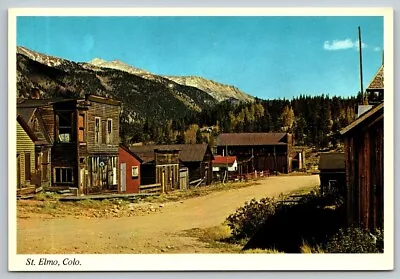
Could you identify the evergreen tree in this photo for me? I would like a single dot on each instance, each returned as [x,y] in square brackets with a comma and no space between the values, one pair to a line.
[199,138]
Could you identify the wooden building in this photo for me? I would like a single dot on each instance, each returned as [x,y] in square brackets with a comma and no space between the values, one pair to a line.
[38,115]
[364,169]
[364,159]
[25,154]
[83,139]
[129,179]
[170,164]
[332,172]
[258,151]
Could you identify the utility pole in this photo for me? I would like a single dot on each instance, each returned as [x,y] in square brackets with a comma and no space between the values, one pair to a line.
[361,72]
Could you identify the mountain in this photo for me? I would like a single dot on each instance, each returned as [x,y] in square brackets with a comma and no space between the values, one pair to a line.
[143,95]
[158,99]
[218,91]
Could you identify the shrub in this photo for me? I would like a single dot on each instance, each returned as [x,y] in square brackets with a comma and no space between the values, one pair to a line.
[246,220]
[355,240]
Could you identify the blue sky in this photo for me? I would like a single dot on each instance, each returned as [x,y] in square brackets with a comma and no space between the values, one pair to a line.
[268,57]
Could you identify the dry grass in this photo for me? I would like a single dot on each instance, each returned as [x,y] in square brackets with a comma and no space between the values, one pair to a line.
[262,251]
[305,248]
[219,237]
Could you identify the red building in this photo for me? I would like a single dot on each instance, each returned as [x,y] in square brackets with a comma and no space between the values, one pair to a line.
[129,171]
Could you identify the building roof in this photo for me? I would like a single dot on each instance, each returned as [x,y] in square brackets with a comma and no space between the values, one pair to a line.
[43,102]
[26,113]
[34,103]
[332,161]
[251,139]
[188,152]
[126,149]
[101,99]
[377,80]
[372,112]
[223,160]
[42,135]
[26,128]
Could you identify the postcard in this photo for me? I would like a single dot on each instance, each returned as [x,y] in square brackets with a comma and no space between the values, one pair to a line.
[158,139]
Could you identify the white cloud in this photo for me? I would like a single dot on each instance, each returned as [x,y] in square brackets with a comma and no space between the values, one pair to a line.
[342,44]
[377,49]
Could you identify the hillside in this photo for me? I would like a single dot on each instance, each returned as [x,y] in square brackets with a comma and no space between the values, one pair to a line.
[216,90]
[142,98]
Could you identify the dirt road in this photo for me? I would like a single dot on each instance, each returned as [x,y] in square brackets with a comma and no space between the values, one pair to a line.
[161,232]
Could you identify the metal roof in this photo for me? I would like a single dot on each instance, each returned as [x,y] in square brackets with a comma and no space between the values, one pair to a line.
[231,139]
[223,160]
[187,152]
[332,161]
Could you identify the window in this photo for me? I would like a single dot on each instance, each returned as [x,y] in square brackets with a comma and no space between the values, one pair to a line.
[109,131]
[135,172]
[81,127]
[97,130]
[64,121]
[63,175]
[332,186]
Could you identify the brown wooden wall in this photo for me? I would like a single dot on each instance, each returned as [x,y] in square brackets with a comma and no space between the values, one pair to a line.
[104,112]
[168,177]
[271,157]
[364,174]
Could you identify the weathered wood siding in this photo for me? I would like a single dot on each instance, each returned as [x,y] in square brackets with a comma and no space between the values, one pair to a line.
[269,157]
[364,174]
[168,177]
[195,170]
[25,146]
[47,115]
[103,112]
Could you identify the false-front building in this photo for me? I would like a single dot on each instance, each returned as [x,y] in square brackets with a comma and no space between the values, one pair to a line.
[82,136]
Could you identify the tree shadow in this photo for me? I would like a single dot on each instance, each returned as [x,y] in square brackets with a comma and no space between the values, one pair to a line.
[312,220]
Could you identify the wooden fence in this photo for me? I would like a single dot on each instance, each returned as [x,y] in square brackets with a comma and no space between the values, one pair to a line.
[150,189]
[249,176]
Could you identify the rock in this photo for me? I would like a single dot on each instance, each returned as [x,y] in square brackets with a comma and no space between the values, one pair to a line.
[162,205]
[170,247]
[163,250]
